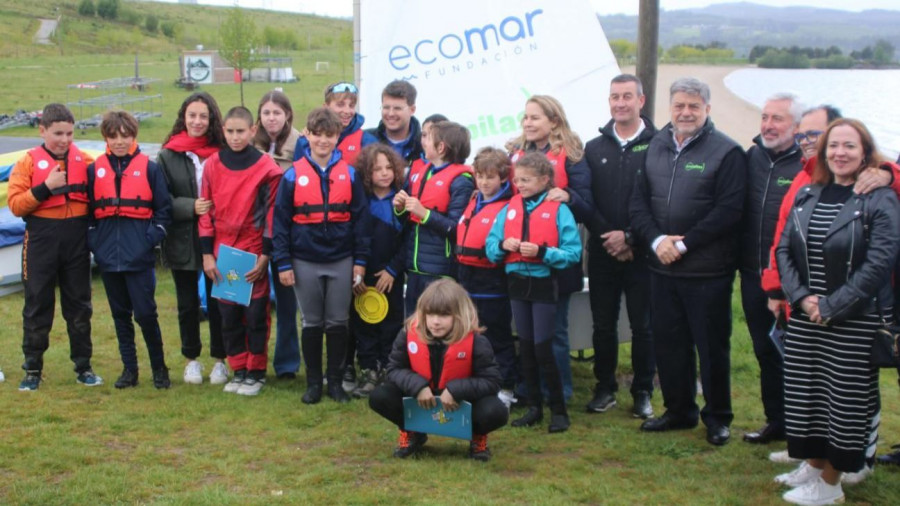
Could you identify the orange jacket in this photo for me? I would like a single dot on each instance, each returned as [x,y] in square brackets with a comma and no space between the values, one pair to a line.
[22,201]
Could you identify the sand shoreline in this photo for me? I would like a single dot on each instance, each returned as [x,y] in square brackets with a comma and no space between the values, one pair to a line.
[731,114]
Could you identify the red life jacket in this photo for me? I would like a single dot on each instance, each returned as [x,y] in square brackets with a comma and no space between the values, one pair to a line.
[541,223]
[134,199]
[457,359]
[434,192]
[472,232]
[76,175]
[558,161]
[309,206]
[351,146]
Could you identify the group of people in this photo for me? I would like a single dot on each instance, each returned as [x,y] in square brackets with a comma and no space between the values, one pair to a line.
[333,210]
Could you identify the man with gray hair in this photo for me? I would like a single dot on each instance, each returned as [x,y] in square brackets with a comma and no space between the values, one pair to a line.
[687,206]
[773,161]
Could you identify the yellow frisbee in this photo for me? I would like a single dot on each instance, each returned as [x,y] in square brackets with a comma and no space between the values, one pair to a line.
[371,305]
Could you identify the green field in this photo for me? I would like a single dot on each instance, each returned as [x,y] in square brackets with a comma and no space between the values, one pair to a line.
[67,444]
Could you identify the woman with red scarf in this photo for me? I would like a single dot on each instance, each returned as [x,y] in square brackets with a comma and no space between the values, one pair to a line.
[196,135]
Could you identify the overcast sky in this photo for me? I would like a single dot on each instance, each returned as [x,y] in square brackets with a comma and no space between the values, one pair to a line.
[344,8]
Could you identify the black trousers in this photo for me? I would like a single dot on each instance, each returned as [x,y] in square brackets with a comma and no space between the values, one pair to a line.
[372,342]
[189,316]
[488,413]
[133,294]
[771,365]
[245,333]
[495,315]
[55,254]
[691,318]
[609,279]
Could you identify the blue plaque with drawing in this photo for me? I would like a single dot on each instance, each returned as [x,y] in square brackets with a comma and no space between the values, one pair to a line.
[456,424]
[233,264]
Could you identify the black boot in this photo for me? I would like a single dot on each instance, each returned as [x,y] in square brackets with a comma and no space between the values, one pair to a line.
[535,412]
[336,343]
[550,373]
[311,342]
[533,416]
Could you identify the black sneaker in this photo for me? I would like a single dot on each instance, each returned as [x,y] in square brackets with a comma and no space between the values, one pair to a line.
[478,448]
[161,378]
[89,379]
[31,381]
[128,379]
[642,407]
[602,402]
[409,443]
[348,381]
[533,416]
[891,459]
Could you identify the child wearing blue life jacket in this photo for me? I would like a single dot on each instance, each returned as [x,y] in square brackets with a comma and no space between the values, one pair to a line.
[382,174]
[434,197]
[484,280]
[131,207]
[441,354]
[322,245]
[535,237]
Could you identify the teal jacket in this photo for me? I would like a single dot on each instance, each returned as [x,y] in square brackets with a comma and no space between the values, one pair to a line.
[566,254]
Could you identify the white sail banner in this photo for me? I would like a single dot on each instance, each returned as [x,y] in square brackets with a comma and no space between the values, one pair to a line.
[478,61]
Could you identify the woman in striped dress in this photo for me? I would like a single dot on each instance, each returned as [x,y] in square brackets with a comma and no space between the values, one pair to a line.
[835,258]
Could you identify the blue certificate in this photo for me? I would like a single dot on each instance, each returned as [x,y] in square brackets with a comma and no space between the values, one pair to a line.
[456,424]
[233,264]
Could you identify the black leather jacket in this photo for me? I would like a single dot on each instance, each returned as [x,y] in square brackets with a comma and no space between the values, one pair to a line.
[857,270]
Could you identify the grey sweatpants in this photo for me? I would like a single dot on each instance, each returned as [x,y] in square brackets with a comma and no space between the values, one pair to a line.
[324,291]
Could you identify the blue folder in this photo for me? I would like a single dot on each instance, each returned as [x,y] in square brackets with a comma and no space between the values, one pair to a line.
[233,264]
[436,421]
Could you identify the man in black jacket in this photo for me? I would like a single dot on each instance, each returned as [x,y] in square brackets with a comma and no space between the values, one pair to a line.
[616,263]
[687,207]
[398,127]
[773,161]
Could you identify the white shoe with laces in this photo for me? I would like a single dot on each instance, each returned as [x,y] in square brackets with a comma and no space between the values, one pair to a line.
[814,493]
[804,473]
[251,386]
[782,457]
[219,374]
[193,373]
[857,477]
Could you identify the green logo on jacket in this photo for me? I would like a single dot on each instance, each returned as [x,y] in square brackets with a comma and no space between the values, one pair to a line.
[783,181]
[639,148]
[694,166]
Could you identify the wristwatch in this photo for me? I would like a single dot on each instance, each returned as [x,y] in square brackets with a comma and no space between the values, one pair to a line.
[629,238]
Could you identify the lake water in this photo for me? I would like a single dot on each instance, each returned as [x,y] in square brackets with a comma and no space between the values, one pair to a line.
[872,96]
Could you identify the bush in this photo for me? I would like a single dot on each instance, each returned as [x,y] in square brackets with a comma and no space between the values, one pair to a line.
[775,59]
[151,23]
[108,9]
[834,61]
[86,8]
[130,17]
[169,29]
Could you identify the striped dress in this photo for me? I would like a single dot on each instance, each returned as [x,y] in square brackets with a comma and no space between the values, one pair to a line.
[830,390]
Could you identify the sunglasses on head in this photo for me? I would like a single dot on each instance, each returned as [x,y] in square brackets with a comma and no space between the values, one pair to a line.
[343,88]
[808,136]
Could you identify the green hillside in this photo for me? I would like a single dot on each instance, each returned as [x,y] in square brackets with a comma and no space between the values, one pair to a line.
[93,48]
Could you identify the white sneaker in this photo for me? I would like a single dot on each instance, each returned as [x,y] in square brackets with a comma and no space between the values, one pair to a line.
[251,386]
[804,474]
[2,377]
[235,384]
[782,457]
[507,397]
[814,493]
[193,373]
[219,374]
[857,477]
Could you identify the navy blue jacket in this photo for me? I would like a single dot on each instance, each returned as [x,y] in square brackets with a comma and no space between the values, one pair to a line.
[480,282]
[387,234]
[320,242]
[429,246]
[356,123]
[121,244]
[412,149]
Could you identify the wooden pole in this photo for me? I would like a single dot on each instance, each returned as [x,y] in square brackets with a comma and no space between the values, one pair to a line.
[647,57]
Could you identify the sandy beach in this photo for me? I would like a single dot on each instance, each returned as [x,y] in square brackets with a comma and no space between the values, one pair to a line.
[731,114]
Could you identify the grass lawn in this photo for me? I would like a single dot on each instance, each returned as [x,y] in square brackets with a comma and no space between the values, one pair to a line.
[67,444]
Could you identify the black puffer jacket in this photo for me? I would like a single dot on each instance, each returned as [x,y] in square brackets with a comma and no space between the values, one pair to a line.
[769,175]
[697,193]
[856,269]
[485,379]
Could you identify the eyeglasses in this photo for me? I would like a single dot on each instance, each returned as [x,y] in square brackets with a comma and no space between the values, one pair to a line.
[808,136]
[343,88]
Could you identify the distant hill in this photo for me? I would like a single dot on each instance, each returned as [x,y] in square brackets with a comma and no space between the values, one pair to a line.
[742,25]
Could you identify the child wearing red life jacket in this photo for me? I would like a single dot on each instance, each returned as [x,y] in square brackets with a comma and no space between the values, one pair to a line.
[241,183]
[484,280]
[536,237]
[433,199]
[48,189]
[322,246]
[131,207]
[441,354]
